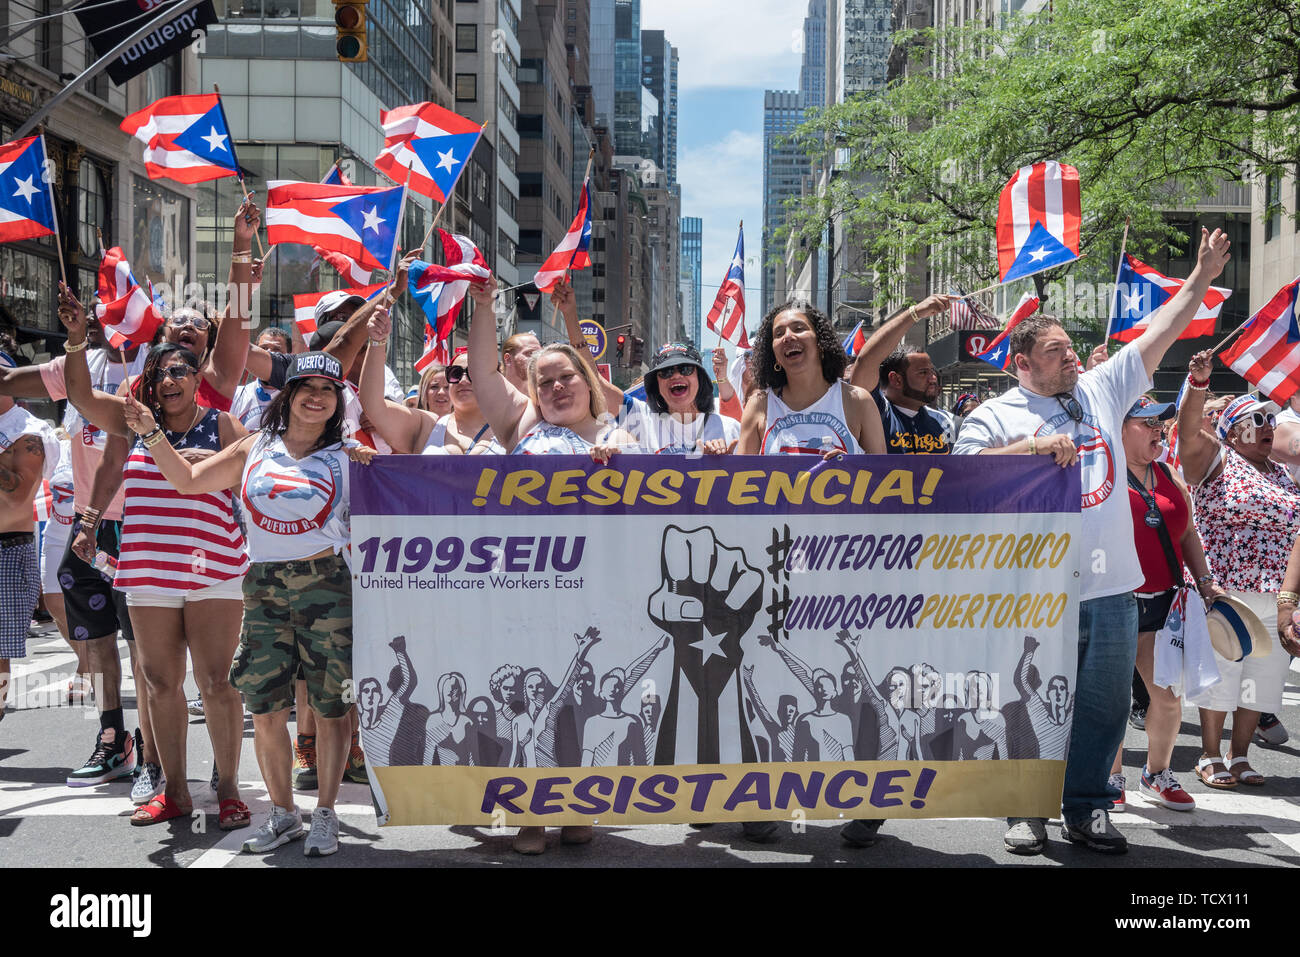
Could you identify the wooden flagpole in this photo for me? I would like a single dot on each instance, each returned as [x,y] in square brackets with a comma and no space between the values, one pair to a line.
[240,175]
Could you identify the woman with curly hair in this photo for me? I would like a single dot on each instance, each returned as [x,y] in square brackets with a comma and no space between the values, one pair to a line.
[802,407]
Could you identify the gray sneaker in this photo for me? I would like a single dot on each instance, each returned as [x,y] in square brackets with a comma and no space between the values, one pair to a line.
[1096,833]
[149,783]
[324,837]
[1027,835]
[282,826]
[1270,731]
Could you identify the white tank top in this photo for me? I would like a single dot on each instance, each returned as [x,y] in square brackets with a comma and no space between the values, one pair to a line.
[435,444]
[294,507]
[819,428]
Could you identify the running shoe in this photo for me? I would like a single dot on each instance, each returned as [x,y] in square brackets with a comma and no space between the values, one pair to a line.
[1095,833]
[324,837]
[1163,788]
[1137,718]
[109,761]
[195,706]
[355,769]
[282,826]
[304,763]
[149,783]
[1270,730]
[1119,804]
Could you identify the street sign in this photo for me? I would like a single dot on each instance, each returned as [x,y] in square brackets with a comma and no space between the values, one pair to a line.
[604,370]
[596,339]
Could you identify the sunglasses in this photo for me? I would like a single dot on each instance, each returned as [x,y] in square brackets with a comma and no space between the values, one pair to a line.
[175,373]
[456,373]
[1153,423]
[197,322]
[668,373]
[1258,420]
[1071,406]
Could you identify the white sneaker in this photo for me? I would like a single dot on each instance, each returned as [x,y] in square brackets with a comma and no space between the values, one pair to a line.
[1120,804]
[324,837]
[282,826]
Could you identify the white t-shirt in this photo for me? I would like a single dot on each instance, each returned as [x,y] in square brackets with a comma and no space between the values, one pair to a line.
[1286,415]
[18,422]
[667,435]
[294,508]
[250,401]
[1108,562]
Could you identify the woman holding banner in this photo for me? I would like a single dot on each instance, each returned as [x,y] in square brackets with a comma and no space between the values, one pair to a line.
[564,412]
[1248,514]
[802,406]
[415,430]
[297,597]
[181,564]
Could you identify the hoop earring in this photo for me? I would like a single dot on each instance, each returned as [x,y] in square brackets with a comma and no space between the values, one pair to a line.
[776,366]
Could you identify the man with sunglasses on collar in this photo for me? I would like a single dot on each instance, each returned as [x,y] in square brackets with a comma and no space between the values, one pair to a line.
[1076,417]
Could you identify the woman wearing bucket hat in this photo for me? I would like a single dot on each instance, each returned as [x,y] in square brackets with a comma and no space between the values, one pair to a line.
[1248,514]
[1166,541]
[292,478]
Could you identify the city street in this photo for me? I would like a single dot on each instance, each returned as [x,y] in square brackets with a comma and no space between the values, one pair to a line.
[44,823]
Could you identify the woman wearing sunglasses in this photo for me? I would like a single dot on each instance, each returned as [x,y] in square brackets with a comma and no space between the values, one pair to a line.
[181,565]
[1162,511]
[1248,513]
[415,430]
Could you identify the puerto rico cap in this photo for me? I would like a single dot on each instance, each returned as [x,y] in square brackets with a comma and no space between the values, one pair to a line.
[321,364]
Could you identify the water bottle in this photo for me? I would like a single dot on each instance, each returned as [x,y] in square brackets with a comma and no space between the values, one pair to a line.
[105,564]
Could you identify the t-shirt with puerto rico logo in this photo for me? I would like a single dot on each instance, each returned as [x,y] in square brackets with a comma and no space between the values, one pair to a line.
[1108,561]
[294,508]
[922,433]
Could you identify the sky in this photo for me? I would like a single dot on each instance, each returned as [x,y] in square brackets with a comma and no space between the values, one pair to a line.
[729,52]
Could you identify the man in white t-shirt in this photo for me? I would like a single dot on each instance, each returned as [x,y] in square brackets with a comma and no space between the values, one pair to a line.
[1078,418]
[252,398]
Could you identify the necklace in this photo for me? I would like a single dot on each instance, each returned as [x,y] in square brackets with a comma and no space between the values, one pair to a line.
[198,412]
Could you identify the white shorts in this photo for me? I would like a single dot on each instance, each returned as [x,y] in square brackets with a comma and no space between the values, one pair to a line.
[1253,683]
[232,590]
[54,542]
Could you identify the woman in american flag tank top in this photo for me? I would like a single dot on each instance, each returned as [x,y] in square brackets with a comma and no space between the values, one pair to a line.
[181,565]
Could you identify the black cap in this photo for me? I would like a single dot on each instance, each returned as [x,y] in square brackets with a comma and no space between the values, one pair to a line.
[321,364]
[324,333]
[676,354]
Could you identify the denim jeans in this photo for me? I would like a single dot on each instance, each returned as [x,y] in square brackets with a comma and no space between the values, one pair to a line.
[1108,629]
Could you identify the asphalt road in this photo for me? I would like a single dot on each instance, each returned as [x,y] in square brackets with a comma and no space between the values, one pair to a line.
[43,823]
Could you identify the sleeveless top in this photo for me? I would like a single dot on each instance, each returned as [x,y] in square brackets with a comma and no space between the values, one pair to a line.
[1248,521]
[1151,554]
[819,428]
[294,507]
[173,542]
[547,439]
[437,438]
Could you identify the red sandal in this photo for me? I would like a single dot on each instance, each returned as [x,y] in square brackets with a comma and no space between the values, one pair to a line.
[158,810]
[233,815]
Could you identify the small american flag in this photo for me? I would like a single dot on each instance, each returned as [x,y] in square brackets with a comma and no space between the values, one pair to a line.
[966,313]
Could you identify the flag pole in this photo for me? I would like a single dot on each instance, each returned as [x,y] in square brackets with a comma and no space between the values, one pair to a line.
[446,199]
[54,208]
[586,175]
[126,372]
[240,174]
[1228,338]
[724,279]
[1123,246]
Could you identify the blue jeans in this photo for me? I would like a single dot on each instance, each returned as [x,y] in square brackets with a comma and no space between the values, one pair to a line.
[1108,629]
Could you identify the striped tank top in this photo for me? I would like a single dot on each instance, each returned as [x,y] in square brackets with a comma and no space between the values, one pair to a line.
[815,430]
[173,542]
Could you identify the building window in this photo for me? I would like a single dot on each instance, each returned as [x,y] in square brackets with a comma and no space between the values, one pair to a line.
[507,107]
[509,204]
[467,38]
[505,247]
[509,156]
[1272,207]
[466,86]
[508,15]
[92,207]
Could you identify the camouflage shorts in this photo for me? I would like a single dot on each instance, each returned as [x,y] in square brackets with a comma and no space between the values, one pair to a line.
[297,615]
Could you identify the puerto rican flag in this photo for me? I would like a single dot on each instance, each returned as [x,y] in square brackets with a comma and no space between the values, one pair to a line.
[1039,214]
[1268,353]
[1141,290]
[572,251]
[26,197]
[361,222]
[185,138]
[855,340]
[125,310]
[351,271]
[440,290]
[426,147]
[304,305]
[998,353]
[727,317]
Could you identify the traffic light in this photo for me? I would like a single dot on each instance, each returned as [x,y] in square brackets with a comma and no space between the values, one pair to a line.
[621,341]
[638,350]
[350,19]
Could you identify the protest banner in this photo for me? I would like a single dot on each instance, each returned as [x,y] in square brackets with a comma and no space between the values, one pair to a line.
[544,640]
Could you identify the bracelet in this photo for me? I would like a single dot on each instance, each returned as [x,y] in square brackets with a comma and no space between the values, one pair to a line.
[911,311]
[1199,386]
[375,343]
[1033,445]
[74,346]
[152,439]
[246,258]
[1288,597]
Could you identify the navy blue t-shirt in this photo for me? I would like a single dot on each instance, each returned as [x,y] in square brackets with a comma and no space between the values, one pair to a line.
[922,433]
